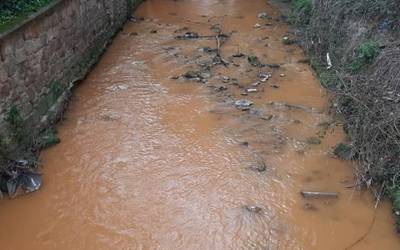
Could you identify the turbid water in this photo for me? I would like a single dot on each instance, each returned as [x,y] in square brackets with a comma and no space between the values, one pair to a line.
[148,161]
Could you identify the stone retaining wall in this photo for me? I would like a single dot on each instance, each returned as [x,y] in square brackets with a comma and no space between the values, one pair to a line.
[41,59]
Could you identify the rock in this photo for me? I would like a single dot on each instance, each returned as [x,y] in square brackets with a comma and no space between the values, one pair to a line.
[274,86]
[257,25]
[262,15]
[153,31]
[174,77]
[267,118]
[205,75]
[260,167]
[243,104]
[195,75]
[264,77]
[221,88]
[189,35]
[313,140]
[225,79]
[282,75]
[253,209]
[274,65]
[208,50]
[238,55]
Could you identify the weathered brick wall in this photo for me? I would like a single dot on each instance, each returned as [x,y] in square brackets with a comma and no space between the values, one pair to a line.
[40,59]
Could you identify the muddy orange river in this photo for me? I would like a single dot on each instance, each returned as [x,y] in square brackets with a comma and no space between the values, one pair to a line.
[152,160]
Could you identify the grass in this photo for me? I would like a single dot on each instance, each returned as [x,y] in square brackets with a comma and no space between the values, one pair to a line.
[13,12]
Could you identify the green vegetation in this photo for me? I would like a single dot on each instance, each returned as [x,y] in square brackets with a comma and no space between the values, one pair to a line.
[16,123]
[328,78]
[301,11]
[13,12]
[56,89]
[366,53]
[49,138]
[394,194]
[343,151]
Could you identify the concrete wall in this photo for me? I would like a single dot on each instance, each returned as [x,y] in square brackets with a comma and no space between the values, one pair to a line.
[42,58]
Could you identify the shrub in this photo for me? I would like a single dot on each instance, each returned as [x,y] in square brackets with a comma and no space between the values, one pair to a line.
[366,53]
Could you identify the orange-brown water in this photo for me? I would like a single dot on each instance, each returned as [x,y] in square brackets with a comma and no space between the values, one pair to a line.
[149,162]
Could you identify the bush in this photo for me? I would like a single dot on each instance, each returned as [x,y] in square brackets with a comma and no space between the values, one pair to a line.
[366,53]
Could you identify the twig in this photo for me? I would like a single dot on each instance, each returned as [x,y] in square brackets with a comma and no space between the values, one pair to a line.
[371,225]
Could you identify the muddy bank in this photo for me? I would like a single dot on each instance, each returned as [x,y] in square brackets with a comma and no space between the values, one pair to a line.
[197,129]
[361,41]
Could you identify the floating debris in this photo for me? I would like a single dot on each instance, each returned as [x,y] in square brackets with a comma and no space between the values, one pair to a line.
[257,25]
[19,174]
[251,90]
[282,75]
